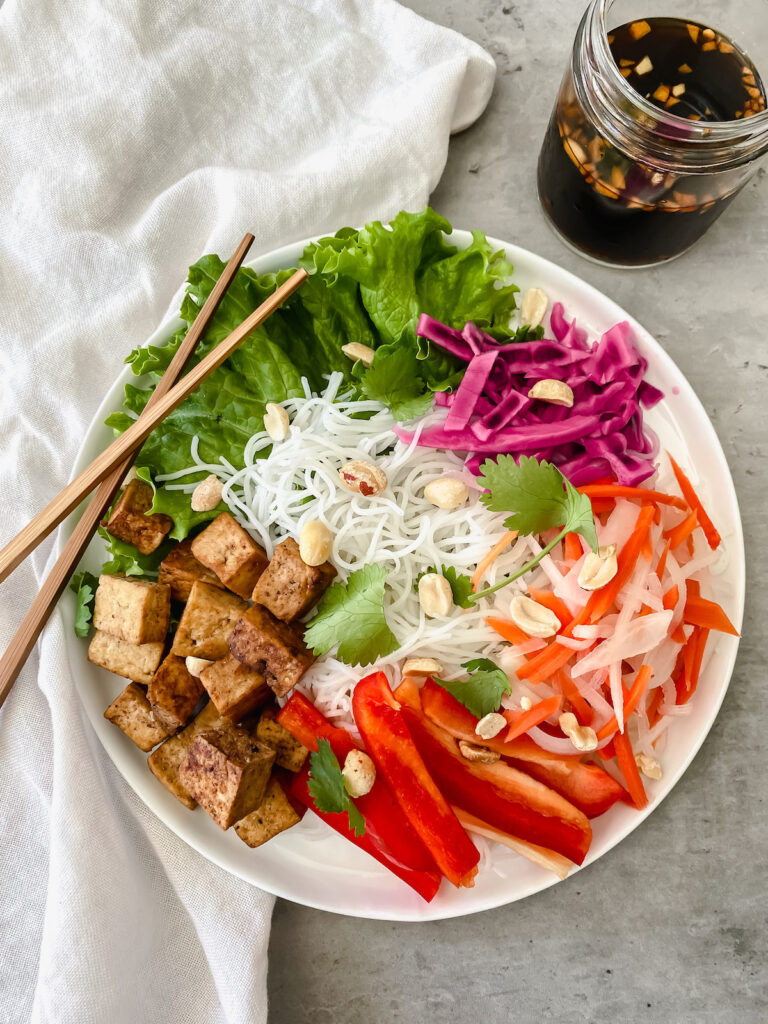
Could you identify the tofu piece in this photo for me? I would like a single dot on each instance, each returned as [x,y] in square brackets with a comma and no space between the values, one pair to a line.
[180,569]
[289,587]
[131,712]
[290,753]
[208,618]
[134,610]
[227,772]
[174,694]
[275,648]
[135,661]
[164,762]
[273,816]
[230,552]
[130,522]
[234,688]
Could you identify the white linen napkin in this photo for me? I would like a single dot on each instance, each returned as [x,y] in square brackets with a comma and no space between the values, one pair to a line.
[136,137]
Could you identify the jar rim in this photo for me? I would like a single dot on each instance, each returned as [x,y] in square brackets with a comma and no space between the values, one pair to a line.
[709,133]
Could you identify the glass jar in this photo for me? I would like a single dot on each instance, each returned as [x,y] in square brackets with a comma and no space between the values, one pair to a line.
[623,180]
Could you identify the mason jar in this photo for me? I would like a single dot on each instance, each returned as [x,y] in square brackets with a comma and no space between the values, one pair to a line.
[630,180]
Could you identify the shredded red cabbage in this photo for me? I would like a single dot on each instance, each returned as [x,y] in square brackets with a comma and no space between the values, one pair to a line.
[490,413]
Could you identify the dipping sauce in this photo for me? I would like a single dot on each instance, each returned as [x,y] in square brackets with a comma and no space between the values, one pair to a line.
[627,207]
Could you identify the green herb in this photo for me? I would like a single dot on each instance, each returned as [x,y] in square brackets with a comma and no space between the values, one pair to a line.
[326,787]
[84,585]
[527,333]
[395,379]
[461,586]
[351,615]
[482,692]
[539,498]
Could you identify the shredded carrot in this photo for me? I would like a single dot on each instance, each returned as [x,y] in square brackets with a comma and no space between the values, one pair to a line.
[662,562]
[507,630]
[601,600]
[607,752]
[689,657]
[616,491]
[555,604]
[491,557]
[521,721]
[686,684]
[694,502]
[670,599]
[678,634]
[602,506]
[581,709]
[572,547]
[631,700]
[653,706]
[646,551]
[708,614]
[626,761]
[680,533]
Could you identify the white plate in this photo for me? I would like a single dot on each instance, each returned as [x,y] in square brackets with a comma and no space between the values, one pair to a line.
[311,865]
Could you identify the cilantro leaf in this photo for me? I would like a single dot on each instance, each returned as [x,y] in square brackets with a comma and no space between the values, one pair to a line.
[482,692]
[394,379]
[538,496]
[461,586]
[527,333]
[84,585]
[326,787]
[351,615]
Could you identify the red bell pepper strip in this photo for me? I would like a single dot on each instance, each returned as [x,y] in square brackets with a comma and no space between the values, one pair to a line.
[707,614]
[507,799]
[425,883]
[694,502]
[586,786]
[388,740]
[385,823]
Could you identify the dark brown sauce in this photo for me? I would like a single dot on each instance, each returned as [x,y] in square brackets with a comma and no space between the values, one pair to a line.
[622,210]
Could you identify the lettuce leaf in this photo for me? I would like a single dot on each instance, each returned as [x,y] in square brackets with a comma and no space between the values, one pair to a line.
[369,286]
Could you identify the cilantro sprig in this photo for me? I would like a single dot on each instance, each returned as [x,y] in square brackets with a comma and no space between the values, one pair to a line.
[84,585]
[461,585]
[394,379]
[352,615]
[482,692]
[326,787]
[539,498]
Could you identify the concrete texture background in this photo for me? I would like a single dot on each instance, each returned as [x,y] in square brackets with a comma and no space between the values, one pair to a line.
[670,927]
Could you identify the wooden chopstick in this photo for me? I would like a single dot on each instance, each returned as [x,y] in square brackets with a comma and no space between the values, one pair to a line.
[49,518]
[32,624]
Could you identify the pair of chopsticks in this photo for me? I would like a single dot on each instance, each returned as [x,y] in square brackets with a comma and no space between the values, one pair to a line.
[108,470]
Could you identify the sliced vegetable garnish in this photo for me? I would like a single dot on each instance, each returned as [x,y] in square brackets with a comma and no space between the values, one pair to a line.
[694,502]
[326,787]
[482,692]
[539,498]
[352,615]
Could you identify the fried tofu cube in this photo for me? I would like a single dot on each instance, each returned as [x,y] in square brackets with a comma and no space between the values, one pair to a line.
[289,587]
[134,610]
[129,519]
[134,661]
[234,688]
[273,815]
[131,712]
[180,569]
[208,618]
[174,694]
[164,762]
[227,772]
[290,753]
[275,648]
[231,553]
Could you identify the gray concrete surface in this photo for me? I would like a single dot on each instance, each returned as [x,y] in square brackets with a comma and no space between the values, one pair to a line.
[669,928]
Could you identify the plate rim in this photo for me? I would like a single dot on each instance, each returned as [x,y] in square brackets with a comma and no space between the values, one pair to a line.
[123,757]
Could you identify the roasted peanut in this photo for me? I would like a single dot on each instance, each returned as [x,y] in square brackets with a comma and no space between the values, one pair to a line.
[315,542]
[556,392]
[359,773]
[363,478]
[447,492]
[435,595]
[207,495]
[276,422]
[355,351]
[533,618]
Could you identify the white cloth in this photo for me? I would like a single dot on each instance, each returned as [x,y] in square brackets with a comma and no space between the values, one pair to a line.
[135,138]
